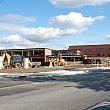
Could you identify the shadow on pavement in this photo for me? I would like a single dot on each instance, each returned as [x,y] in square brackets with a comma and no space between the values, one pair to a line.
[99,80]
[96,80]
[34,79]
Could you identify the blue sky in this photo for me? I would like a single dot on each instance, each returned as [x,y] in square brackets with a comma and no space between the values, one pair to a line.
[54,24]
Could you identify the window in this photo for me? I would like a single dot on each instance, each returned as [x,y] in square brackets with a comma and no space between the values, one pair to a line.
[64,52]
[103,55]
[109,49]
[90,55]
[100,55]
[74,50]
[81,50]
[100,49]
[89,50]
[38,53]
[37,59]
[25,53]
[30,53]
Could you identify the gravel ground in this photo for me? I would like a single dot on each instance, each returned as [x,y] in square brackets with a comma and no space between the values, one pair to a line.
[30,70]
[41,69]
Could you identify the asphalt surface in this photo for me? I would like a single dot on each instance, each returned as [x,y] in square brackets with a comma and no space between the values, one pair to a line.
[73,92]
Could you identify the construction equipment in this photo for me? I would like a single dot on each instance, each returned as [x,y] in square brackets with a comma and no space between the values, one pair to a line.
[6,60]
[57,61]
[17,61]
[1,62]
[30,64]
[14,61]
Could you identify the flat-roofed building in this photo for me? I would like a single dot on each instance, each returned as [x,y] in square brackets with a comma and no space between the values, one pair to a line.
[102,50]
[67,55]
[97,52]
[34,54]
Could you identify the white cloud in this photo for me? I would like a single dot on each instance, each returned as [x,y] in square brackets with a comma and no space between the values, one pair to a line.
[13,28]
[16,41]
[77,3]
[16,18]
[42,34]
[60,26]
[74,21]
[107,37]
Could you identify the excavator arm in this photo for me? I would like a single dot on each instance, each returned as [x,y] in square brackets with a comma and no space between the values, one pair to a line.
[6,60]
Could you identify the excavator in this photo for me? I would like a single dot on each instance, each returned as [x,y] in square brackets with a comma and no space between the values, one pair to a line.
[58,61]
[6,60]
[14,61]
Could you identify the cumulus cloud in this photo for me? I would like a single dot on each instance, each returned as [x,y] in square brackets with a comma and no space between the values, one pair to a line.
[42,34]
[60,26]
[74,21]
[16,41]
[77,3]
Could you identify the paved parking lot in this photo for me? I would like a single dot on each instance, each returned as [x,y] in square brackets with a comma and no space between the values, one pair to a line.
[70,92]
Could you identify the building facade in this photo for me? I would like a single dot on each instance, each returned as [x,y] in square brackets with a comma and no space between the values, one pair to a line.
[67,55]
[97,52]
[73,54]
[93,50]
[34,54]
